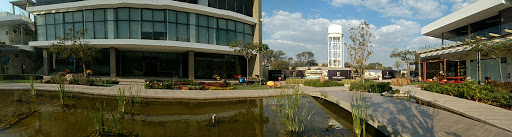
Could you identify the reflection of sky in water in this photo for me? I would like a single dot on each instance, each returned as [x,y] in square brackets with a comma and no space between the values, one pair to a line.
[234,118]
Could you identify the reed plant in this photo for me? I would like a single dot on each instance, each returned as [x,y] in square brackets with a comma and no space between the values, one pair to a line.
[293,110]
[32,89]
[121,99]
[62,89]
[116,118]
[98,119]
[359,114]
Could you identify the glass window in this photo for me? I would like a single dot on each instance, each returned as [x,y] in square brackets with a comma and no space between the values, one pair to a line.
[222,23]
[171,32]
[68,17]
[123,14]
[59,32]
[134,14]
[239,27]
[171,16]
[40,19]
[122,27]
[240,6]
[203,2]
[192,1]
[212,22]
[99,30]
[193,33]
[159,31]
[182,17]
[111,14]
[58,18]
[41,33]
[89,15]
[89,26]
[147,30]
[134,30]
[240,36]
[231,25]
[183,33]
[212,39]
[50,19]
[248,38]
[203,35]
[248,29]
[78,26]
[202,20]
[158,15]
[50,32]
[111,29]
[231,37]
[248,7]
[212,3]
[231,5]
[68,26]
[193,19]
[221,4]
[99,15]
[147,14]
[78,16]
[222,37]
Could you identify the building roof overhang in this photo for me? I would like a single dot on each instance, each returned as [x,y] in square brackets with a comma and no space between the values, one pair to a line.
[23,4]
[477,11]
[14,19]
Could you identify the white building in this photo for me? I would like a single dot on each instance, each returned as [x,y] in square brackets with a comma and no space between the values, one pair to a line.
[335,46]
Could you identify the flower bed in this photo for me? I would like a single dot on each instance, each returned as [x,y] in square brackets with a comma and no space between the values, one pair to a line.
[480,93]
[80,80]
[186,85]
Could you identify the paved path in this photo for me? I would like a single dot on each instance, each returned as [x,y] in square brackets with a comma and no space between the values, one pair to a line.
[401,118]
[495,116]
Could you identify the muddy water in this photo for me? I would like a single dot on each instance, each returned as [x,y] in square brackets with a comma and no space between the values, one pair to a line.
[247,117]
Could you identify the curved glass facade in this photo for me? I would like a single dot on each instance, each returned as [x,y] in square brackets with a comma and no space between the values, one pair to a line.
[239,6]
[135,23]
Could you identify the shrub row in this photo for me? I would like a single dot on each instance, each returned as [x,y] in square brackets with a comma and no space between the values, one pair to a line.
[370,86]
[480,93]
[507,86]
[325,83]
[81,81]
[190,85]
[19,77]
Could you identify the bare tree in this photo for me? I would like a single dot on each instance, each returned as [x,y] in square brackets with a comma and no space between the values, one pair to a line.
[248,50]
[359,48]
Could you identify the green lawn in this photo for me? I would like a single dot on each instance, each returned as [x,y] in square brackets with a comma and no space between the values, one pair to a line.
[418,83]
[17,81]
[252,87]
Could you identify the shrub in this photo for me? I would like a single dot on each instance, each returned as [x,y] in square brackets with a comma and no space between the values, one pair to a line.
[507,86]
[19,77]
[396,91]
[370,86]
[221,88]
[348,81]
[401,81]
[295,81]
[318,83]
[480,93]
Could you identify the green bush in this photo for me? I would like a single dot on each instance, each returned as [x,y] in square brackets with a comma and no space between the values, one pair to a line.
[480,93]
[295,81]
[326,83]
[370,86]
[19,77]
[348,81]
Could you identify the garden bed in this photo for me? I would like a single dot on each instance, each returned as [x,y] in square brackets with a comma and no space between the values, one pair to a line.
[187,85]
[80,80]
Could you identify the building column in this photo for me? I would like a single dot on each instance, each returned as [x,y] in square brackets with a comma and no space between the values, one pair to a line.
[191,65]
[113,63]
[257,65]
[46,62]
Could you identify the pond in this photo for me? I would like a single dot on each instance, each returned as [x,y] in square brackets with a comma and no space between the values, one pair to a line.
[44,116]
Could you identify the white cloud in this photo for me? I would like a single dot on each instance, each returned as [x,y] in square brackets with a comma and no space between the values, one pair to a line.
[402,8]
[294,33]
[459,4]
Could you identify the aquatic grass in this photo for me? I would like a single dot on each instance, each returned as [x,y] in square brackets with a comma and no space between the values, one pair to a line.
[359,114]
[121,99]
[18,97]
[98,118]
[293,110]
[62,88]
[117,123]
[32,89]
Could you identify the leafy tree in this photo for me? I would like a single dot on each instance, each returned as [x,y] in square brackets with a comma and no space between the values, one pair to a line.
[248,50]
[348,65]
[73,44]
[359,48]
[281,65]
[497,50]
[398,64]
[406,56]
[375,65]
[477,45]
[305,59]
[270,56]
[324,65]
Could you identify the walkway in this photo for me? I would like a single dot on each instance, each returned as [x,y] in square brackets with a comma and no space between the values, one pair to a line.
[401,118]
[149,93]
[495,116]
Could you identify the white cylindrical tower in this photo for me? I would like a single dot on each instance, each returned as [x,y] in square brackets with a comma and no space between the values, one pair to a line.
[335,46]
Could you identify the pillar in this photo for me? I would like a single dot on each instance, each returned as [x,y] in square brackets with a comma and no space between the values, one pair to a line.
[256,66]
[46,62]
[191,65]
[113,63]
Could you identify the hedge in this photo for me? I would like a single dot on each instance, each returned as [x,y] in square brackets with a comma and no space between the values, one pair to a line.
[19,77]
[326,83]
[481,93]
[370,86]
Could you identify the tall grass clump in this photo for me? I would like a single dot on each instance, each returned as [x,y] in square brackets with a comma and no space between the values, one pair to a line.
[98,119]
[121,99]
[32,89]
[62,89]
[291,113]
[359,114]
[117,123]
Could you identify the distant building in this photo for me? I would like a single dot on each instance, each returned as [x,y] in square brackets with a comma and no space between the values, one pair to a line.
[335,46]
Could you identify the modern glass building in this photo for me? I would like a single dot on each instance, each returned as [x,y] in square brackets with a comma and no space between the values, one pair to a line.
[183,38]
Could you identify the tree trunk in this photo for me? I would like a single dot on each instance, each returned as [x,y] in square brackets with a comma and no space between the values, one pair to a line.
[479,76]
[409,70]
[501,75]
[247,65]
[85,71]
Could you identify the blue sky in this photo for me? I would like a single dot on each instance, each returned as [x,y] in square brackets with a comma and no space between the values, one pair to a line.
[301,25]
